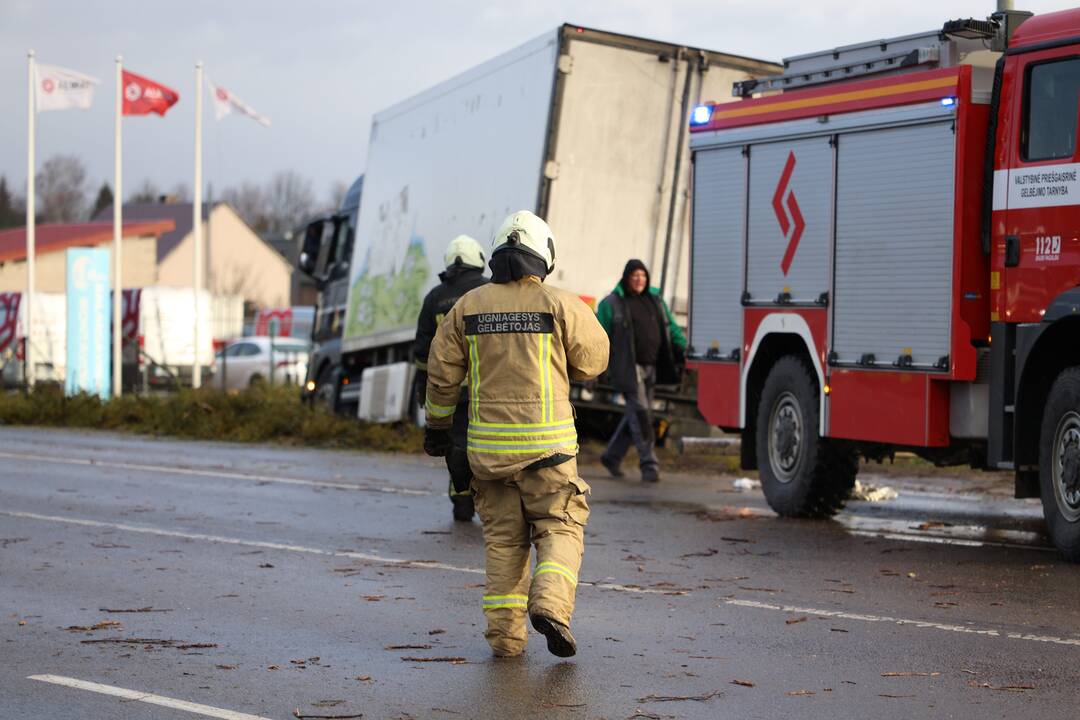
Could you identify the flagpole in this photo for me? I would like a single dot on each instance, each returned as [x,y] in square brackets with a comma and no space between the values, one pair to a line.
[118,203]
[196,367]
[31,240]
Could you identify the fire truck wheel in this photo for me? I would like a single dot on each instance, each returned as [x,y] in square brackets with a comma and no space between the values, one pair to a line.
[802,474]
[1059,463]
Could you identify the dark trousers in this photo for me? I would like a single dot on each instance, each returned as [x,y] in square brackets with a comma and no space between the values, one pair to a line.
[636,426]
[457,460]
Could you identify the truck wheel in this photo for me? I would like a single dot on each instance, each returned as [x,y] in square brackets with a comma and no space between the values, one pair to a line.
[802,474]
[1059,463]
[326,391]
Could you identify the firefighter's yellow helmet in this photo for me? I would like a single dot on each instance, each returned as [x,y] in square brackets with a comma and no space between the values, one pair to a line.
[465,251]
[525,231]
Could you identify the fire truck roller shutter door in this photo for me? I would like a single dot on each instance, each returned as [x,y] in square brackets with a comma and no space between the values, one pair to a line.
[790,220]
[719,224]
[894,244]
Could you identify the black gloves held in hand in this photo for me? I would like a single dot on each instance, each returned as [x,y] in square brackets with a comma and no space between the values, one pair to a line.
[437,442]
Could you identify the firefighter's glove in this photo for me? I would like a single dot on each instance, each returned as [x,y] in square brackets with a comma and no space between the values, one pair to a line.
[437,441]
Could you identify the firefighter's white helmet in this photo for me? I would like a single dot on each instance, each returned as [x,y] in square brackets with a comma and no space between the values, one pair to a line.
[526,231]
[463,248]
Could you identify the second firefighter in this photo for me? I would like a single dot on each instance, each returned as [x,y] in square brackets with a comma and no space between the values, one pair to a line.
[464,262]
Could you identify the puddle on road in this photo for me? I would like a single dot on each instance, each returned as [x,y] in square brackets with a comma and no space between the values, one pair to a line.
[929,531]
[972,521]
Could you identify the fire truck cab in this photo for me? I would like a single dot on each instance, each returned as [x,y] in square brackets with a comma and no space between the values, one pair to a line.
[886,255]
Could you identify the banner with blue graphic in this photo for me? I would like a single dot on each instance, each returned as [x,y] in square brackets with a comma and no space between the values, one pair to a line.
[89,318]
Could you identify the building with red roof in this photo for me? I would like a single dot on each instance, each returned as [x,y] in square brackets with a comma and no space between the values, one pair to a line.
[140,239]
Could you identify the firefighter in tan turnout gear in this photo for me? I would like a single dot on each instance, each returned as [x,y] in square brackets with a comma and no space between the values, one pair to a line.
[517,343]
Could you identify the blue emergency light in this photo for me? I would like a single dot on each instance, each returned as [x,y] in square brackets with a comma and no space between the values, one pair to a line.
[702,115]
[948,101]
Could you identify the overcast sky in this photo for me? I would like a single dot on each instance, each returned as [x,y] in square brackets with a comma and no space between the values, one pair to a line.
[320,68]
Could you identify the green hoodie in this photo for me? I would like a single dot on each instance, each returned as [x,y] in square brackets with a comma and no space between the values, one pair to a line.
[604,314]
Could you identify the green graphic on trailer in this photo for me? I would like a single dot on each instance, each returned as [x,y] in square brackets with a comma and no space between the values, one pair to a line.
[391,300]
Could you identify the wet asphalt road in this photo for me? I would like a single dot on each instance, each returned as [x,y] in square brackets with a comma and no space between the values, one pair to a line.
[279,579]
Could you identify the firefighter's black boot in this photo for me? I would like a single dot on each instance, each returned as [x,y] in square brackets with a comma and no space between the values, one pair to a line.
[559,640]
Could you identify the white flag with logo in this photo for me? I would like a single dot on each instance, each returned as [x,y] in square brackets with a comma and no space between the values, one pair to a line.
[61,89]
[225,102]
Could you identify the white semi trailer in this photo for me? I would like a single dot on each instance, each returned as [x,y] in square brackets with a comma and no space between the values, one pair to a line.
[583,127]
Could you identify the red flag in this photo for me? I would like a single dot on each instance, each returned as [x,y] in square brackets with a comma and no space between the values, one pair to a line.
[143,96]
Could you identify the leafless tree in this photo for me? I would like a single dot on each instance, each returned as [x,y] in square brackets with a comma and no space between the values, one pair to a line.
[249,201]
[148,192]
[338,190]
[61,189]
[289,201]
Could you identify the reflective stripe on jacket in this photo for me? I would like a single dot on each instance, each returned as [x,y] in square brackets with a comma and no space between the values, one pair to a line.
[517,345]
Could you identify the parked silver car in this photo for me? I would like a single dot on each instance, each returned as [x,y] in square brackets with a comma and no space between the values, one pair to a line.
[253,360]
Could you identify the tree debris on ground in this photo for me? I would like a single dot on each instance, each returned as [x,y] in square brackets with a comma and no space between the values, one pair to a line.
[872,493]
[705,553]
[103,625]
[175,644]
[910,674]
[419,646]
[1008,688]
[453,660]
[148,609]
[680,698]
[744,683]
[300,716]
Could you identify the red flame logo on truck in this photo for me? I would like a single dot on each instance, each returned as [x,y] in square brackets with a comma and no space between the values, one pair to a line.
[791,228]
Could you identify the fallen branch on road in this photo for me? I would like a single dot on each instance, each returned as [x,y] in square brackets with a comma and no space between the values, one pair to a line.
[150,641]
[453,660]
[680,698]
[103,625]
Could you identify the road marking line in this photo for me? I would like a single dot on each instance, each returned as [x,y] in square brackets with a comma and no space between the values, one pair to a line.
[170,470]
[924,624]
[150,698]
[351,554]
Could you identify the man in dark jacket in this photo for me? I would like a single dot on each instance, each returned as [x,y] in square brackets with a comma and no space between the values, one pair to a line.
[646,348]
[464,261]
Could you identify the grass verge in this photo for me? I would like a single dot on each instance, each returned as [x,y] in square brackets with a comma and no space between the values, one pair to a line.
[258,414]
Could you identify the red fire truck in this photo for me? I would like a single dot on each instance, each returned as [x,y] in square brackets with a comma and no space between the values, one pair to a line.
[886,255]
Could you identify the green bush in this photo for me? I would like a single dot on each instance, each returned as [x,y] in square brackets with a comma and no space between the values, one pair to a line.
[258,414]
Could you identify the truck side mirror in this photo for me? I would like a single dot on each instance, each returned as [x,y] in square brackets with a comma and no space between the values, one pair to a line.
[309,252]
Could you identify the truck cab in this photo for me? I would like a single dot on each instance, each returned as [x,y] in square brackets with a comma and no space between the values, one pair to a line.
[1033,239]
[325,256]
